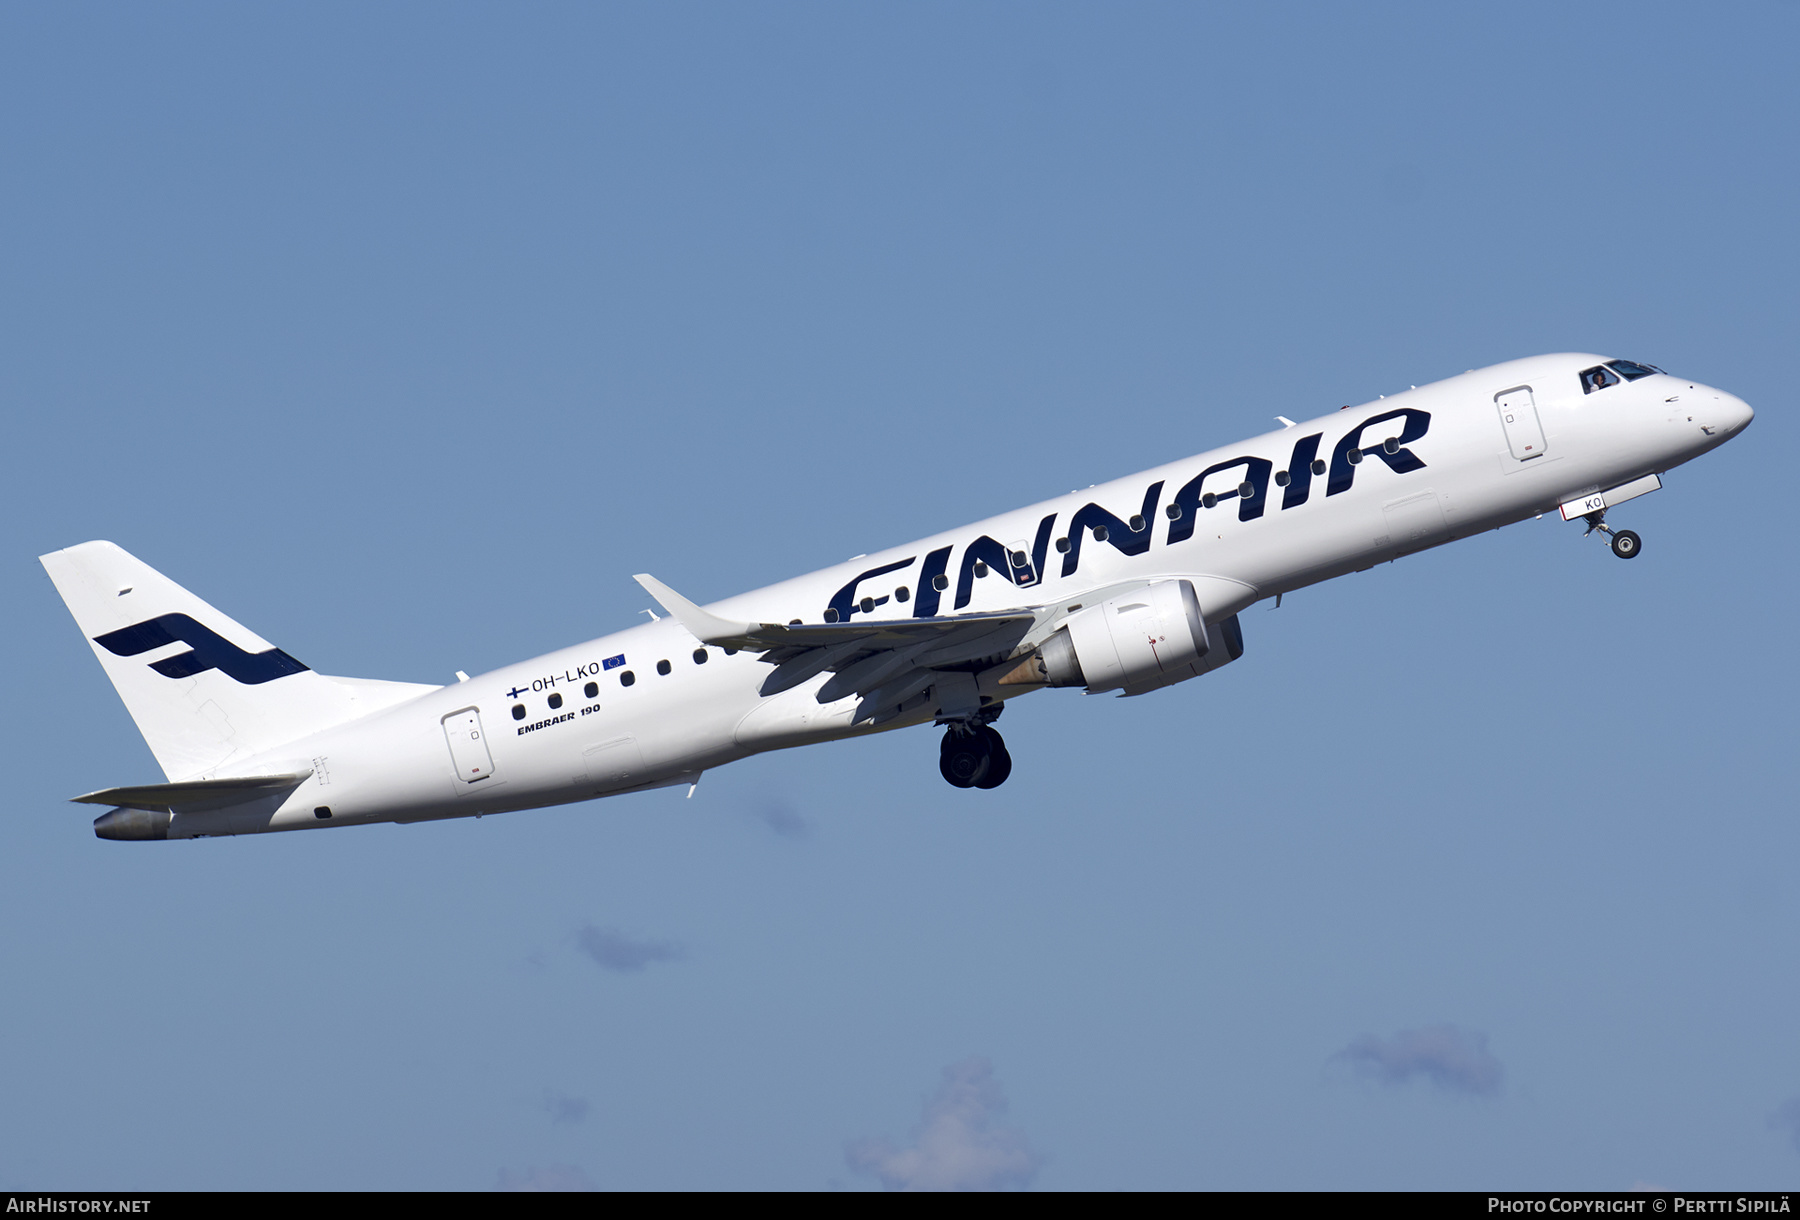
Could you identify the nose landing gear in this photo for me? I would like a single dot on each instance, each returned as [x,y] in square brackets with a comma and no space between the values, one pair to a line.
[1625,544]
[973,756]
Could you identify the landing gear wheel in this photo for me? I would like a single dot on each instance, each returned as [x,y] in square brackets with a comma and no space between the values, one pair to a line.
[1626,544]
[964,758]
[999,761]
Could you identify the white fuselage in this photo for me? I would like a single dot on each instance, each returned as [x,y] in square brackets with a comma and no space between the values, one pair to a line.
[1455,469]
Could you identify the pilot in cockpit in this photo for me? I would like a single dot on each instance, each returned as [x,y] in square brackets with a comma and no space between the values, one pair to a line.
[1608,374]
[1597,378]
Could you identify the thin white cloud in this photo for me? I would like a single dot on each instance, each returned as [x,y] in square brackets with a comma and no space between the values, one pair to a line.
[1455,1060]
[549,1178]
[960,1144]
[613,950]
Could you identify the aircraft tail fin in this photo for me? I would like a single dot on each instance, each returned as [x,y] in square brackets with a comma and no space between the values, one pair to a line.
[205,690]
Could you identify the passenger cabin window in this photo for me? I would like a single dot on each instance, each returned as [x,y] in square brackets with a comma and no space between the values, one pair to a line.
[518,711]
[699,656]
[626,677]
[1631,370]
[1597,378]
[591,690]
[555,702]
[662,667]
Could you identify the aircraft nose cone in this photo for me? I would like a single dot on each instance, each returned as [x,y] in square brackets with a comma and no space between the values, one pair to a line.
[1734,414]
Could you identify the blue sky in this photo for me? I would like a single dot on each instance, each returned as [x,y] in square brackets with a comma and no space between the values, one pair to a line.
[405,333]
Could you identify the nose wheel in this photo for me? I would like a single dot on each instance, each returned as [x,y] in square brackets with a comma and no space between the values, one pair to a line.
[1625,543]
[973,756]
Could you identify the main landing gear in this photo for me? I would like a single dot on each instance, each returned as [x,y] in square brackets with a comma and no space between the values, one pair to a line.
[974,756]
[1625,544]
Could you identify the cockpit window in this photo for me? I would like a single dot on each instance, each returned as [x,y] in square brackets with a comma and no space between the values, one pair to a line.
[1597,378]
[1631,370]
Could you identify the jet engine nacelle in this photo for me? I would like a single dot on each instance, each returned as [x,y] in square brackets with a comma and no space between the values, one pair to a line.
[1139,641]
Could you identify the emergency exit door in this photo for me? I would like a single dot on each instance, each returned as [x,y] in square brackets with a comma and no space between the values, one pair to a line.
[1519,417]
[468,747]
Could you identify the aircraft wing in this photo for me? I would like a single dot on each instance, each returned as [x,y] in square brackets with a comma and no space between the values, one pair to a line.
[884,662]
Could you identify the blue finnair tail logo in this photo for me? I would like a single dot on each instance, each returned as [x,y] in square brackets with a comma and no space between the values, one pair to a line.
[207,649]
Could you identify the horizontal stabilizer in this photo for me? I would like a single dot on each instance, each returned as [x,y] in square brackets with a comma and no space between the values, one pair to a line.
[196,794]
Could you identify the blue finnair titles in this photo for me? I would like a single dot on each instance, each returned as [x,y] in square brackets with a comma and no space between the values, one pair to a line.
[1128,587]
[1245,479]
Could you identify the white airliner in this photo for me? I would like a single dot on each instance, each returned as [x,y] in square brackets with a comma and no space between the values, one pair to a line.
[1129,586]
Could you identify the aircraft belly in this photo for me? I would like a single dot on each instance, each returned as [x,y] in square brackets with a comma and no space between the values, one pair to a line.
[794,718]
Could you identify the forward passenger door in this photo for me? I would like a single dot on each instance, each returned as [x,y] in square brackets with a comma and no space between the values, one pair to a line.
[1519,418]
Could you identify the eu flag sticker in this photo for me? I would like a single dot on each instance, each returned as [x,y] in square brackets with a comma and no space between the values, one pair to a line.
[613,662]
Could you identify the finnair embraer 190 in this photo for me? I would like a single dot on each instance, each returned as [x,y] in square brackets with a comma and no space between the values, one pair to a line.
[1130,586]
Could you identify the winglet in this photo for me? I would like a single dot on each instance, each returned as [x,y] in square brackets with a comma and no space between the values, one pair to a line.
[707,628]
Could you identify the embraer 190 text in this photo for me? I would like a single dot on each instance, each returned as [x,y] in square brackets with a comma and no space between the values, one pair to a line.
[1130,586]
